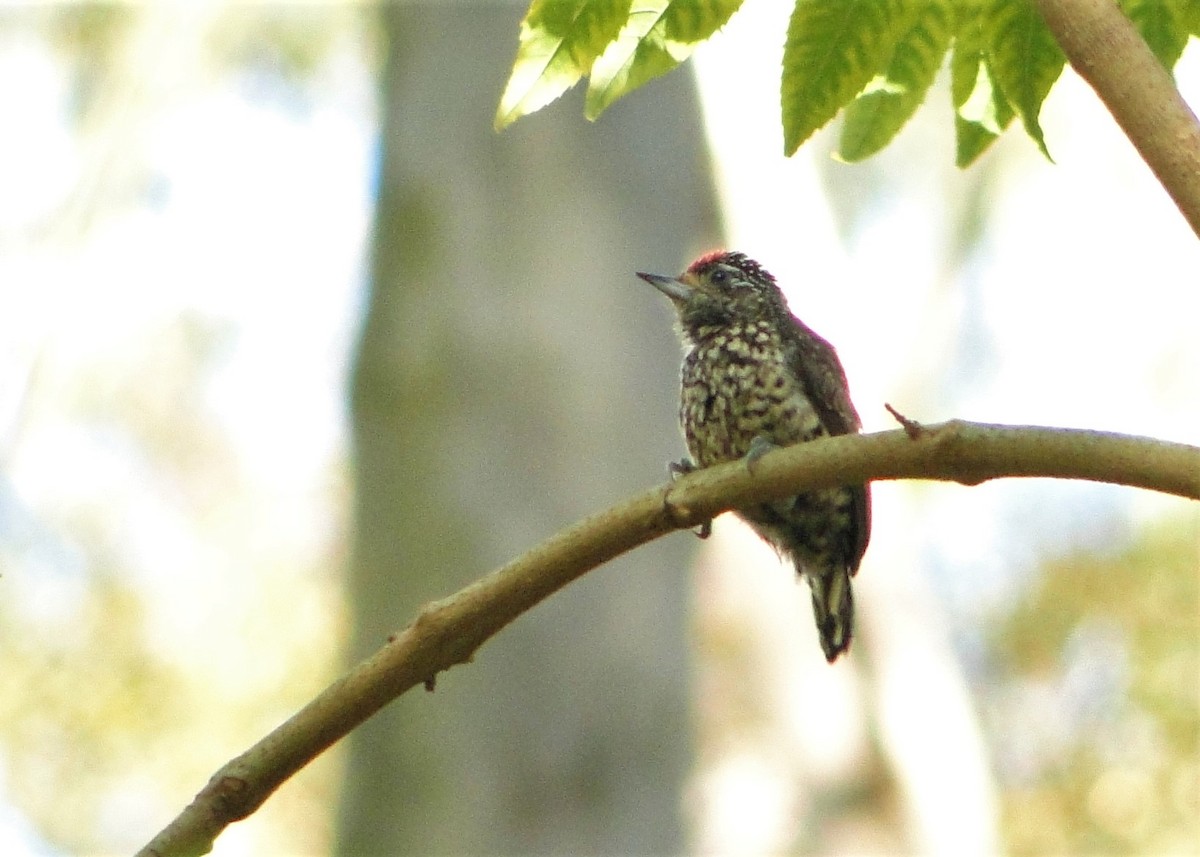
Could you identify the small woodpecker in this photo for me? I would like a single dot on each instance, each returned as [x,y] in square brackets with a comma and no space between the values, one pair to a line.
[755,377]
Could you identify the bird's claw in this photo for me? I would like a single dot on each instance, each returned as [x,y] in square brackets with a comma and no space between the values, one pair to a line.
[759,447]
[682,468]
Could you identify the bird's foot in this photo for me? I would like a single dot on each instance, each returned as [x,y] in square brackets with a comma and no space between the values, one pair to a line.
[759,447]
[682,468]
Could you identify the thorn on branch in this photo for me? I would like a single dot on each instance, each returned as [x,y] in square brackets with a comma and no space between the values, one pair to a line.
[912,428]
[431,683]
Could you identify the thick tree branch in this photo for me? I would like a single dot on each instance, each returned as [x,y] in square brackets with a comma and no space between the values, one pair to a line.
[1105,49]
[448,632]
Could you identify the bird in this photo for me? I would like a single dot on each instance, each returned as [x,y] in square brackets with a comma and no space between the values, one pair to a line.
[755,377]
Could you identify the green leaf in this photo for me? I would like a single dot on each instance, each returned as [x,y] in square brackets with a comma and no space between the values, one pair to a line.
[878,114]
[1188,14]
[659,35]
[1161,24]
[981,112]
[968,53]
[1023,59]
[834,49]
[974,136]
[560,39]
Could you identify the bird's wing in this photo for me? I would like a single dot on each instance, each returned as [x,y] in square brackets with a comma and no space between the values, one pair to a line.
[817,365]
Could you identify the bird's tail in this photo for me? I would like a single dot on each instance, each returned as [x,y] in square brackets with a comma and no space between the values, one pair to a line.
[833,608]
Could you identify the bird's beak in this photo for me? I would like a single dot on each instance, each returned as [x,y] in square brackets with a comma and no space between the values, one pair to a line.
[676,290]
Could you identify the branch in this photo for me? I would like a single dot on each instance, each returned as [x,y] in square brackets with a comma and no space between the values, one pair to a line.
[1107,52]
[448,632]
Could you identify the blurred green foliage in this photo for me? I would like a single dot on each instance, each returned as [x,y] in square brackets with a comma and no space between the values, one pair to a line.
[1109,645]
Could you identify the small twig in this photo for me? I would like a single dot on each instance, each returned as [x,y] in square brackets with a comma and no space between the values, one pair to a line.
[912,428]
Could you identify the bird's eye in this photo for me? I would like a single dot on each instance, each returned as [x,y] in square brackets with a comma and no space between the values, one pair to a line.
[719,276]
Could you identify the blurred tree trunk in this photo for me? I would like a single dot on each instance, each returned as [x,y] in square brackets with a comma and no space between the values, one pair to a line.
[512,376]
